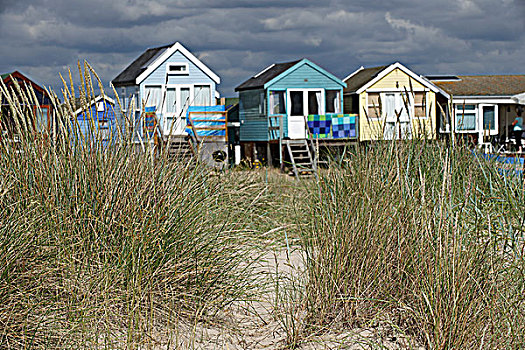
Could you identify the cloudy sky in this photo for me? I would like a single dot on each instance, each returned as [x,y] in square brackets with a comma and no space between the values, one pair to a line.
[238,38]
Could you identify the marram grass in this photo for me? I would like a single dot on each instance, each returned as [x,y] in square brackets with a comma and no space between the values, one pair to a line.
[425,238]
[107,246]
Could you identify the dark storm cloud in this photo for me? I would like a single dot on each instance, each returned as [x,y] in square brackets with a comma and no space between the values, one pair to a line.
[239,38]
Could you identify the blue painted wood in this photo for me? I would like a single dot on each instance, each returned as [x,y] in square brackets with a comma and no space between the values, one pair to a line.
[252,115]
[304,75]
[87,125]
[195,76]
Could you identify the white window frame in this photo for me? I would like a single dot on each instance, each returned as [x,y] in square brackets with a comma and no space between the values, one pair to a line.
[496,117]
[305,100]
[145,97]
[186,70]
[458,113]
[212,95]
[284,101]
[339,93]
[100,106]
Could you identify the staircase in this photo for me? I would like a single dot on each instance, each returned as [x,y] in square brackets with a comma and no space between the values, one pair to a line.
[180,148]
[302,157]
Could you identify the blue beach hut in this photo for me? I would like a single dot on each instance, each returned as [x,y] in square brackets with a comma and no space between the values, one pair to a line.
[288,103]
[96,122]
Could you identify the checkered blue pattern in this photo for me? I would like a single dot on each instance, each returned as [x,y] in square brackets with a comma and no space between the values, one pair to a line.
[320,126]
[343,126]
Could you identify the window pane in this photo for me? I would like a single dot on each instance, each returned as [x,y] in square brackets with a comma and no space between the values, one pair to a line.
[296,98]
[171,100]
[488,118]
[177,68]
[332,101]
[41,119]
[466,121]
[465,107]
[153,96]
[38,119]
[202,95]
[184,100]
[389,105]
[314,102]
[419,98]
[403,106]
[262,103]
[277,102]
[373,112]
[420,111]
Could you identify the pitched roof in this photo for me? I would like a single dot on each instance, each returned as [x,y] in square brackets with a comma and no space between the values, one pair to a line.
[5,75]
[80,108]
[267,74]
[139,65]
[484,85]
[360,78]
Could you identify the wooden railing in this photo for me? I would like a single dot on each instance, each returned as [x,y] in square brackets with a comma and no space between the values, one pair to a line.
[275,127]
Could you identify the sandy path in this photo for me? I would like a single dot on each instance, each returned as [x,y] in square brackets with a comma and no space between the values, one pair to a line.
[274,320]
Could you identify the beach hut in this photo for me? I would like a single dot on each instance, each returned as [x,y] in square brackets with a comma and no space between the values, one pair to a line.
[287,106]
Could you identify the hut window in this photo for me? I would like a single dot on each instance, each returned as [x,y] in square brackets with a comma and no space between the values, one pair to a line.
[100,106]
[262,103]
[374,105]
[104,130]
[314,102]
[153,95]
[184,100]
[466,117]
[420,105]
[171,100]
[333,103]
[296,98]
[489,120]
[41,119]
[277,102]
[202,95]
[177,68]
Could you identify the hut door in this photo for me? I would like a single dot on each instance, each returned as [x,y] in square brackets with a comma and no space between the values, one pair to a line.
[301,103]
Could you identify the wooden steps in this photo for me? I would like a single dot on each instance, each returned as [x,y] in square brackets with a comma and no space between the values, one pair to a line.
[180,148]
[302,157]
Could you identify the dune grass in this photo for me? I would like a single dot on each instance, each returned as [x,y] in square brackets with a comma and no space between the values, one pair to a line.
[108,246]
[422,237]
